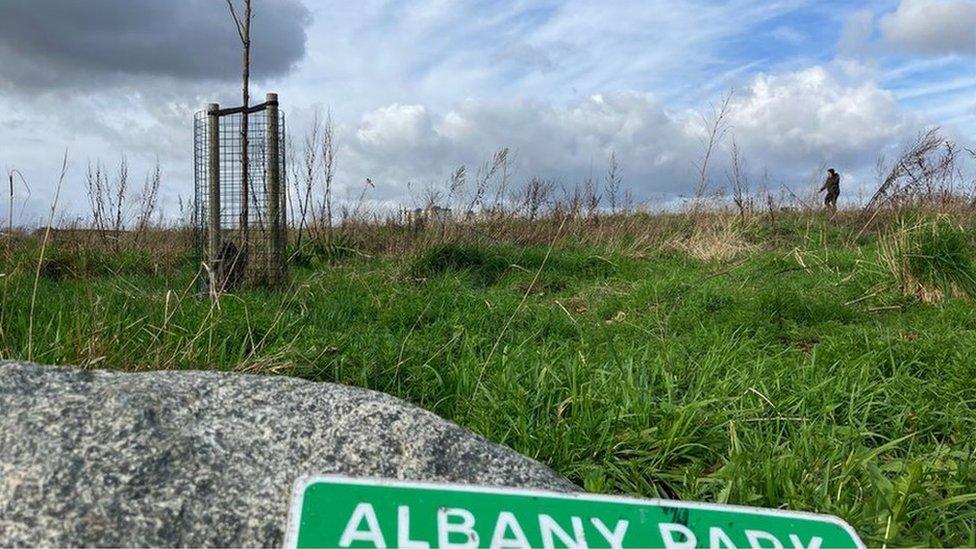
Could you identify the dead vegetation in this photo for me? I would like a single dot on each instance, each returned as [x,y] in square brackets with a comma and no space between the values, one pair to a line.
[931,178]
[714,238]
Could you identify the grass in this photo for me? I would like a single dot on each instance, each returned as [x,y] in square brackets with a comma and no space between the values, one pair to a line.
[795,372]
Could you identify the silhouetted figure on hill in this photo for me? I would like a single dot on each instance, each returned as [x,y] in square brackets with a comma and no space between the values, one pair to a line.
[832,186]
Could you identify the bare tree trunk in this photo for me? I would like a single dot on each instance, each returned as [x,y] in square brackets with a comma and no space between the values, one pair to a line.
[245,164]
[244,32]
[740,183]
[328,167]
[715,126]
[304,176]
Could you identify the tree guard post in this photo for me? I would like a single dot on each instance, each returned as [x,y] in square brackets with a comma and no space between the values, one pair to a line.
[234,254]
[213,202]
[276,270]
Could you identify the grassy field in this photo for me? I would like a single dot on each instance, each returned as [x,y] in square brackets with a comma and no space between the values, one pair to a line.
[784,362]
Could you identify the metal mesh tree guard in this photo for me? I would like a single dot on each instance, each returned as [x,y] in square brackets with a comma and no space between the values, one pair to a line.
[239,228]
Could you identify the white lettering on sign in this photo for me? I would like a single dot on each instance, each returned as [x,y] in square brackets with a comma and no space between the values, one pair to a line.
[615,538]
[403,530]
[373,534]
[445,528]
[670,532]
[456,529]
[549,528]
[679,536]
[718,539]
[508,523]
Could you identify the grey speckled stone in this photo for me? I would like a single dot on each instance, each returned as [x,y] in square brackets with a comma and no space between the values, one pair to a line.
[207,458]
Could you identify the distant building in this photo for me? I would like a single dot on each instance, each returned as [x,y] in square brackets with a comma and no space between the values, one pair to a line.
[475,216]
[421,216]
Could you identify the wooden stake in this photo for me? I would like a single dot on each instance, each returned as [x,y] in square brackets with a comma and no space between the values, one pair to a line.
[276,270]
[213,205]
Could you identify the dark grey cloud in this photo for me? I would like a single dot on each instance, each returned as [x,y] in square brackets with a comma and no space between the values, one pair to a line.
[69,43]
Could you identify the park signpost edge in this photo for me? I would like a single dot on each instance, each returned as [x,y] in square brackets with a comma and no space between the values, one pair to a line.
[340,511]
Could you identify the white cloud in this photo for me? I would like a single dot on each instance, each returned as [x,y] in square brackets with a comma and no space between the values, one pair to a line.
[421,86]
[789,123]
[932,27]
[388,128]
[564,142]
[812,115]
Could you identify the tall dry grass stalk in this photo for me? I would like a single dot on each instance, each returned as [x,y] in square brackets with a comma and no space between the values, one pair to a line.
[716,126]
[40,258]
[114,210]
[925,174]
[521,304]
[11,192]
[313,180]
[739,182]
[304,174]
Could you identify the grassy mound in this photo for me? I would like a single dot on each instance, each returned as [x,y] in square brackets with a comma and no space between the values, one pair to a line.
[931,259]
[792,374]
[942,258]
[483,265]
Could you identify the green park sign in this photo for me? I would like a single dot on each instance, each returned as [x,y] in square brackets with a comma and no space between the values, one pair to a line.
[333,511]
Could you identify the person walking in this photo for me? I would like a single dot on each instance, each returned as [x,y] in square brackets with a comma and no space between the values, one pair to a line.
[832,186]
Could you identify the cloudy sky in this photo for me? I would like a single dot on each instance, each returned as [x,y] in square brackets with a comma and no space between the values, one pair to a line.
[420,87]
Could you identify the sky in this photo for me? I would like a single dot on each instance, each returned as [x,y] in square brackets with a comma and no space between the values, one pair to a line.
[418,87]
